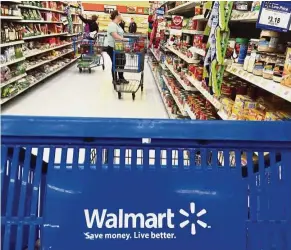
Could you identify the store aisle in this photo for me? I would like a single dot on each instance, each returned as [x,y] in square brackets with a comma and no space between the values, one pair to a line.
[87,95]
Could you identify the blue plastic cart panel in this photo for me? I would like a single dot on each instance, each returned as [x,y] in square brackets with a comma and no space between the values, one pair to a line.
[69,183]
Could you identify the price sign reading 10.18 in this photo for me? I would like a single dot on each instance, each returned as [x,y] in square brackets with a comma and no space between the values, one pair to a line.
[275,16]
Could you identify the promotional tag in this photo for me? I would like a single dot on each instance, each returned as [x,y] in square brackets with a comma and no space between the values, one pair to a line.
[275,16]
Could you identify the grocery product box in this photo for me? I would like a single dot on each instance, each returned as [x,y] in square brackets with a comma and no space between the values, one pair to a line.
[286,79]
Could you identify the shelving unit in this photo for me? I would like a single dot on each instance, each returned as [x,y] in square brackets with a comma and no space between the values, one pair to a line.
[269,85]
[47,35]
[12,62]
[188,88]
[2,45]
[183,7]
[13,79]
[46,50]
[237,18]
[185,58]
[4,100]
[171,116]
[180,106]
[62,35]
[47,61]
[11,17]
[39,8]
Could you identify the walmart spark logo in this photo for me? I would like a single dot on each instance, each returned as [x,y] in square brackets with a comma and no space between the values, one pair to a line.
[197,220]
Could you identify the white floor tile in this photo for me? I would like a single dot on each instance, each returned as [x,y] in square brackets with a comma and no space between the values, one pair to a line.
[87,95]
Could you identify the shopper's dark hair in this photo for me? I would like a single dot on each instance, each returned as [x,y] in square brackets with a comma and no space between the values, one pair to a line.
[114,14]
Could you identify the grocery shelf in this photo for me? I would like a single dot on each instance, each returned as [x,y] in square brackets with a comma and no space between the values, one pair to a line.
[178,78]
[200,18]
[171,116]
[204,92]
[77,23]
[13,79]
[73,34]
[40,8]
[181,108]
[189,112]
[47,61]
[223,115]
[198,51]
[4,100]
[247,17]
[269,85]
[11,17]
[193,32]
[185,58]
[41,36]
[152,50]
[184,7]
[38,21]
[13,61]
[46,50]
[11,43]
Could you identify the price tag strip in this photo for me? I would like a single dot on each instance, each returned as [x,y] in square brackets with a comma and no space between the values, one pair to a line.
[275,16]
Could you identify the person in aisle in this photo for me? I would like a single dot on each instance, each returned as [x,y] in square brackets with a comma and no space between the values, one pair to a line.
[91,26]
[115,33]
[122,25]
[132,26]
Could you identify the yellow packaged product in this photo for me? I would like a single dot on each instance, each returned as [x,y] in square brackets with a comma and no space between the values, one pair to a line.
[256,115]
[233,117]
[286,78]
[284,115]
[250,105]
[240,100]
[227,105]
[272,116]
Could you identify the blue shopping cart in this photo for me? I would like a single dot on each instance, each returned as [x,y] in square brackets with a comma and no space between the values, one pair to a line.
[91,53]
[165,184]
[128,56]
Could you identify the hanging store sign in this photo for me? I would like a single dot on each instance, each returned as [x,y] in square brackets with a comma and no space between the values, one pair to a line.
[131,9]
[275,16]
[109,8]
[177,22]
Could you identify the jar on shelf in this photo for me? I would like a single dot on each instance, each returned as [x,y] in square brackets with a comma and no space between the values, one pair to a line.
[269,66]
[268,41]
[259,65]
[279,68]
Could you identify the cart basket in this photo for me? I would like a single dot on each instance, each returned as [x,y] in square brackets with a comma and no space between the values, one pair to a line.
[128,184]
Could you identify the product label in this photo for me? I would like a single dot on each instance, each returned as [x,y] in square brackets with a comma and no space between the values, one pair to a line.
[177,22]
[275,16]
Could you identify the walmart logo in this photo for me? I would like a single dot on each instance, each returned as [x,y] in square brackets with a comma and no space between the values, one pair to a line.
[196,220]
[120,219]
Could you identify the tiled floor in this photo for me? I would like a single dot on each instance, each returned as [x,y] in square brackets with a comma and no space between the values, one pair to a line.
[70,93]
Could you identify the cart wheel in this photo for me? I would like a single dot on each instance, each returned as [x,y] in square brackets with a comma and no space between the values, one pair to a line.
[80,70]
[119,95]
[89,70]
[133,96]
[103,66]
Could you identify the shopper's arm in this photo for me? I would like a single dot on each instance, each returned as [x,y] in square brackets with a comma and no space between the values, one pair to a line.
[118,37]
[83,19]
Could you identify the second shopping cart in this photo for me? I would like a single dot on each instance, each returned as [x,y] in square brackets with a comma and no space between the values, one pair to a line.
[91,53]
[128,56]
